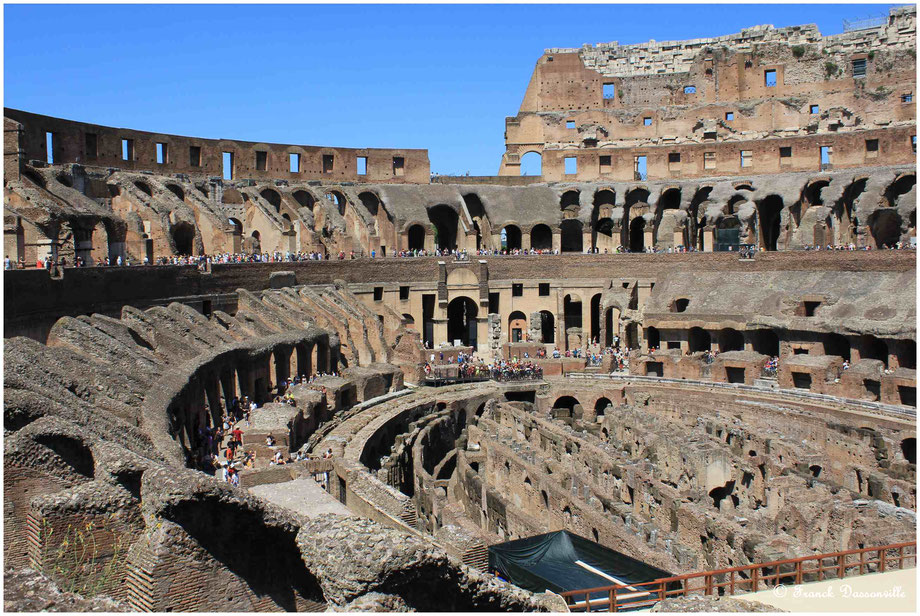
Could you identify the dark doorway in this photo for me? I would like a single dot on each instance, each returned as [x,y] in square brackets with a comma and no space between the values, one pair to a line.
[461,321]
[637,235]
[184,237]
[541,237]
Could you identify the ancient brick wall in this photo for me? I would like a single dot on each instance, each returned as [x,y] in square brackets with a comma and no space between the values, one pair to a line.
[94,145]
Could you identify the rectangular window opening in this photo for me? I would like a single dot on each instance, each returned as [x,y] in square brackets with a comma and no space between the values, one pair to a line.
[825,155]
[710,136]
[747,158]
[378,294]
[399,166]
[227,159]
[194,156]
[729,116]
[646,121]
[609,90]
[813,110]
[769,78]
[859,68]
[913,143]
[571,165]
[689,89]
[570,123]
[294,163]
[328,163]
[641,168]
[362,165]
[162,153]
[517,289]
[709,160]
[403,293]
[261,160]
[49,148]
[673,157]
[907,98]
[605,164]
[785,152]
[544,289]
[493,303]
[92,148]
[801,380]
[872,146]
[127,149]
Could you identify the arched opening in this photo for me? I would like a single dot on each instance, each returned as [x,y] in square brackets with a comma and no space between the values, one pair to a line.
[541,237]
[728,233]
[461,321]
[416,237]
[570,200]
[256,241]
[766,342]
[511,238]
[517,326]
[611,326]
[669,200]
[680,304]
[698,340]
[572,239]
[565,402]
[571,311]
[637,235]
[304,198]
[183,235]
[408,320]
[339,200]
[899,187]
[909,449]
[835,344]
[652,338]
[445,219]
[603,237]
[144,188]
[730,340]
[596,318]
[532,164]
[885,227]
[176,190]
[600,407]
[272,197]
[769,213]
[547,327]
[370,202]
[873,348]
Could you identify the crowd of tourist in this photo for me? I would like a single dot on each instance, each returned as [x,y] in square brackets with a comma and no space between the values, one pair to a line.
[205,260]
[851,247]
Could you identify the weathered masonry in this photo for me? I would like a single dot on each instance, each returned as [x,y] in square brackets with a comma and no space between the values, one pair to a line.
[763,100]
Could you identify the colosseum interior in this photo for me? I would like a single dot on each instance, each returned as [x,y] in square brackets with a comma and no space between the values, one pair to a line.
[698,326]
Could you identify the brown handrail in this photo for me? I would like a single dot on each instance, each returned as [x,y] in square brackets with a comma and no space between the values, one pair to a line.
[710,586]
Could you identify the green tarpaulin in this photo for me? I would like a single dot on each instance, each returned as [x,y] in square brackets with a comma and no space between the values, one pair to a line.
[561,561]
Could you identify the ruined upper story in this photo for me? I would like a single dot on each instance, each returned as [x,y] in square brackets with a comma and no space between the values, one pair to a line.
[791,85]
[27,137]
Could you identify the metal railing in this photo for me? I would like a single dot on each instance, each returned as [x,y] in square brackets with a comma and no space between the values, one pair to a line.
[748,578]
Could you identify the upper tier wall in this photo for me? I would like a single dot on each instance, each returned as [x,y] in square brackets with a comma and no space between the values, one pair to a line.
[94,145]
[34,300]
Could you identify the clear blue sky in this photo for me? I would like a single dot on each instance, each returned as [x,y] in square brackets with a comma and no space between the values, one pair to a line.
[441,77]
